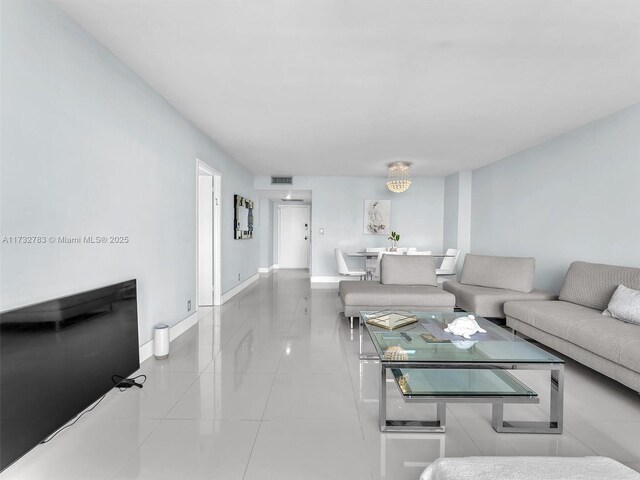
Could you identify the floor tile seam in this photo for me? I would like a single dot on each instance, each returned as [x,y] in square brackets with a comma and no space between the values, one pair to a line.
[566,431]
[197,372]
[183,394]
[242,373]
[311,373]
[224,344]
[579,440]
[351,381]
[283,349]
[210,420]
[215,418]
[137,449]
[311,420]
[608,422]
[138,417]
[266,403]
[306,374]
[253,445]
[466,431]
[169,372]
[293,315]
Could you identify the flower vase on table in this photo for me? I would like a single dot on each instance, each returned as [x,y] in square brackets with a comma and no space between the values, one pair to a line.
[395,238]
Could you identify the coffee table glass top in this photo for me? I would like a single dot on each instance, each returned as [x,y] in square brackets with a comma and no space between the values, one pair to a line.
[427,342]
[453,382]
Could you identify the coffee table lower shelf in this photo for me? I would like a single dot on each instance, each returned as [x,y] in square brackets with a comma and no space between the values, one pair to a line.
[468,383]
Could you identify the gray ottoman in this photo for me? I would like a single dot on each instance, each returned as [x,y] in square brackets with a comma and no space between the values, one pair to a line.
[407,282]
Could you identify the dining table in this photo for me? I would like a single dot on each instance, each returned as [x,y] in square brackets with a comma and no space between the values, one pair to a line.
[371,255]
[364,254]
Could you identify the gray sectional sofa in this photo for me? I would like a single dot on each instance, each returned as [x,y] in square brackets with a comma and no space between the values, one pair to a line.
[575,326]
[487,282]
[407,282]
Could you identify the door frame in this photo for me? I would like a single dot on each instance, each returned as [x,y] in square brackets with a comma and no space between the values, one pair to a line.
[217,209]
[280,207]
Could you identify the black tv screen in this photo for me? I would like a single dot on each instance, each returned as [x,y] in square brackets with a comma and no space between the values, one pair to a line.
[57,357]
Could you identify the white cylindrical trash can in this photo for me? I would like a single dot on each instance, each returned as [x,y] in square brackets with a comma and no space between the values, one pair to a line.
[161,341]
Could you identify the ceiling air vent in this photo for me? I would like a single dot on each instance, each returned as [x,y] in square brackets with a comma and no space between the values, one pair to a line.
[281,180]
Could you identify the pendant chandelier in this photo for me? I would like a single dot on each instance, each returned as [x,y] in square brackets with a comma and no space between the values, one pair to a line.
[398,179]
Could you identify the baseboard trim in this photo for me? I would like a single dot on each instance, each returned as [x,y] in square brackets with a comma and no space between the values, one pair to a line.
[266,269]
[238,288]
[146,350]
[276,266]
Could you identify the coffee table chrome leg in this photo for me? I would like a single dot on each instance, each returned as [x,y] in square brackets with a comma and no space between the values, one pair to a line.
[555,423]
[431,426]
[382,401]
[556,407]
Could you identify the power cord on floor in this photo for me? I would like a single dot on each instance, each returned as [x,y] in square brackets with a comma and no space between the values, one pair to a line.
[122,384]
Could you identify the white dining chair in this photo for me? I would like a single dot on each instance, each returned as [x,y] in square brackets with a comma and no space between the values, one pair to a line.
[419,252]
[402,250]
[411,249]
[448,265]
[343,268]
[371,263]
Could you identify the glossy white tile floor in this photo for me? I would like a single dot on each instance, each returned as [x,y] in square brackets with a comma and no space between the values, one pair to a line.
[269,386]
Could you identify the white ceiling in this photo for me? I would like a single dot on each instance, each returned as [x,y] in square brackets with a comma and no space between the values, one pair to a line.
[342,87]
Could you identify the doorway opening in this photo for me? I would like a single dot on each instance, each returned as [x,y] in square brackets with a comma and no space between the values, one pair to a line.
[294,234]
[208,267]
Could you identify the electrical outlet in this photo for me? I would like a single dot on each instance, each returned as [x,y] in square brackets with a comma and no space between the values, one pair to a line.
[238,277]
[188,305]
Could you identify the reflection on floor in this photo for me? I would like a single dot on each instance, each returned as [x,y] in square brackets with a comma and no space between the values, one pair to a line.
[269,386]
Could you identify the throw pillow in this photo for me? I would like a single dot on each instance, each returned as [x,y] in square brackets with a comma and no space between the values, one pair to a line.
[624,305]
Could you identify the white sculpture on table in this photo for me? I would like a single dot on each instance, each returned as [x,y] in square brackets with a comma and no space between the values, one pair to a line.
[464,327]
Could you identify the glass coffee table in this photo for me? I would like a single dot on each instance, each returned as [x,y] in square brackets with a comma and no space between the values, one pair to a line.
[431,366]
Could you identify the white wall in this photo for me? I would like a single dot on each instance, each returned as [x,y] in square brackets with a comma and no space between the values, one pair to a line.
[264,230]
[451,206]
[338,207]
[576,197]
[88,148]
[457,213]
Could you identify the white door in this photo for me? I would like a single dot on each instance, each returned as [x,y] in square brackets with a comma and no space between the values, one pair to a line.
[205,240]
[294,236]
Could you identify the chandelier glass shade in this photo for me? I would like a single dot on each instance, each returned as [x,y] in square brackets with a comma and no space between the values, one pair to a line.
[398,179]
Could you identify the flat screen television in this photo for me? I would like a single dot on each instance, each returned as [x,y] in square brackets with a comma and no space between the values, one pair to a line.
[57,357]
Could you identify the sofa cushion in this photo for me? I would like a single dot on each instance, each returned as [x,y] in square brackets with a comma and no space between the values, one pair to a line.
[509,273]
[554,317]
[614,370]
[624,305]
[630,357]
[593,284]
[609,338]
[408,270]
[582,326]
[375,294]
[489,302]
